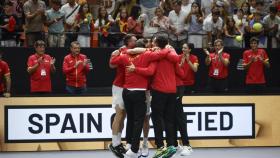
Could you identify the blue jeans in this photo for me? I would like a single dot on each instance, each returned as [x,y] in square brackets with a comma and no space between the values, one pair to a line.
[76,90]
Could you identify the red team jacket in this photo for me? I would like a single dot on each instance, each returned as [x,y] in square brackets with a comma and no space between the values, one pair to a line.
[4,70]
[255,73]
[40,80]
[164,79]
[188,76]
[217,69]
[75,77]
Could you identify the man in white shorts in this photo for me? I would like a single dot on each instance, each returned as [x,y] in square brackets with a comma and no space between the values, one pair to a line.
[116,146]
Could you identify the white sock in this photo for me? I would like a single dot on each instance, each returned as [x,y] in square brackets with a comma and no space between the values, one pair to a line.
[119,138]
[145,141]
[115,140]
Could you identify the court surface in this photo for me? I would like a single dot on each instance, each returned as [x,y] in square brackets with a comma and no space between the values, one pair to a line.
[255,152]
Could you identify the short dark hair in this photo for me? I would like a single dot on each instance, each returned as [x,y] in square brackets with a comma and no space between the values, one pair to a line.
[177,2]
[56,2]
[190,45]
[39,43]
[127,38]
[254,39]
[273,9]
[161,41]
[140,43]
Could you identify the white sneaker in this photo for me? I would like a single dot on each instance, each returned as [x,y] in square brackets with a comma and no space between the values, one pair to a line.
[127,146]
[187,150]
[145,151]
[130,154]
[179,149]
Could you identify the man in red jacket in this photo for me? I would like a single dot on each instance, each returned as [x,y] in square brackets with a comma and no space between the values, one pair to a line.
[75,67]
[218,62]
[40,67]
[117,100]
[164,99]
[5,78]
[254,61]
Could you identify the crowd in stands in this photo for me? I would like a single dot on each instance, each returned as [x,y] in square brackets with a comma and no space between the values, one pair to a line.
[104,23]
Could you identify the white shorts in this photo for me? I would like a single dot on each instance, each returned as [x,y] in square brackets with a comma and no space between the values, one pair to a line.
[117,97]
[148,102]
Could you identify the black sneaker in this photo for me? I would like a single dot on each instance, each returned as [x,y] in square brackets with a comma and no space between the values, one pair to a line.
[121,148]
[118,150]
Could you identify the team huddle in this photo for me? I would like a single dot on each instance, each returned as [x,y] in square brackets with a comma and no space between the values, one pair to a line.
[144,67]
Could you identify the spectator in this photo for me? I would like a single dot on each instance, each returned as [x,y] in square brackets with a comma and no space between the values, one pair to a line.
[240,20]
[119,28]
[5,78]
[40,66]
[251,32]
[136,22]
[271,27]
[102,24]
[21,21]
[75,67]
[222,6]
[167,6]
[70,10]
[54,21]
[218,62]
[213,25]
[34,11]
[8,24]
[206,7]
[230,33]
[83,22]
[195,21]
[254,61]
[186,5]
[148,7]
[253,5]
[178,34]
[109,5]
[122,20]
[246,10]
[128,4]
[260,8]
[160,21]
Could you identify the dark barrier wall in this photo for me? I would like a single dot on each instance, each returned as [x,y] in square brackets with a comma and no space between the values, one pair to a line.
[102,75]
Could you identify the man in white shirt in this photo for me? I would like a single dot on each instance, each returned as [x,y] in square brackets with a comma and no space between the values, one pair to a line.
[178,28]
[213,25]
[70,10]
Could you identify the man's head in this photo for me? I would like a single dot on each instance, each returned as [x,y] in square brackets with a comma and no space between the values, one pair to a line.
[254,42]
[272,11]
[56,4]
[75,47]
[140,43]
[215,15]
[40,47]
[130,41]
[8,6]
[160,41]
[218,44]
[177,5]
